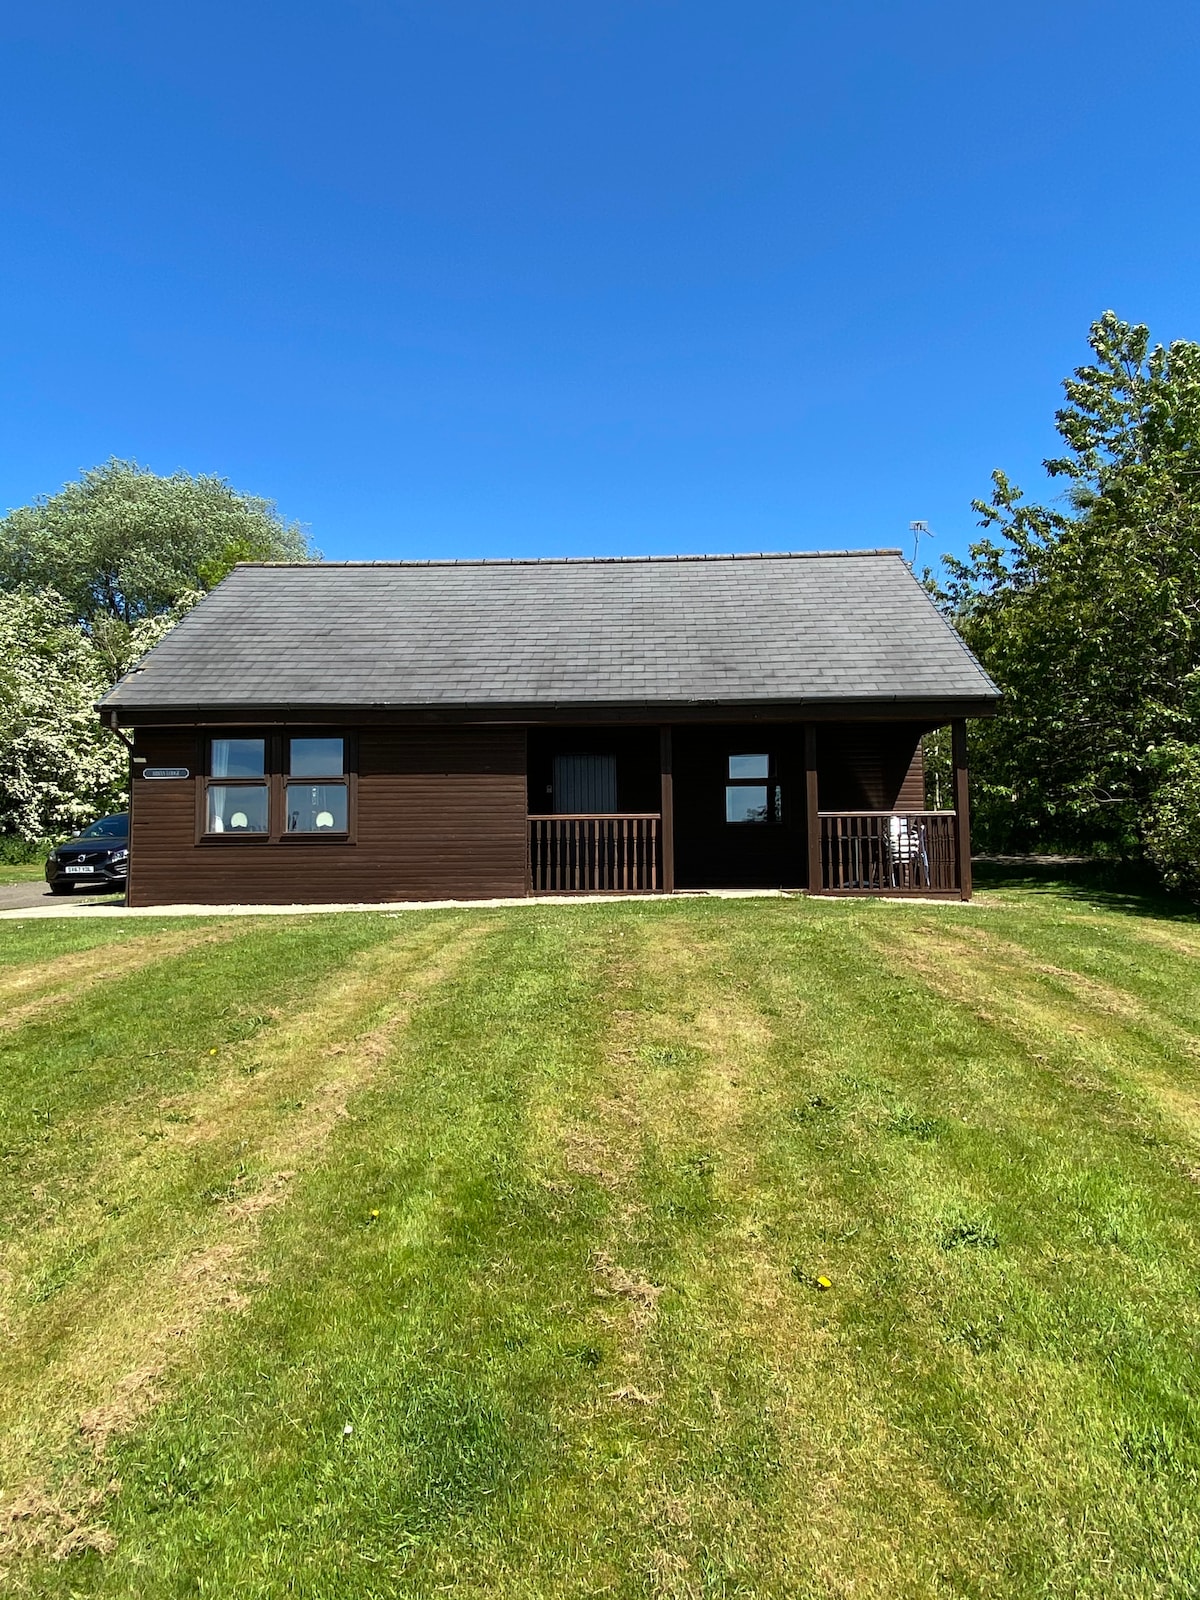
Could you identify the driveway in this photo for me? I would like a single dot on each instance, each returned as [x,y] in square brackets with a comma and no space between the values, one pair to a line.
[23,896]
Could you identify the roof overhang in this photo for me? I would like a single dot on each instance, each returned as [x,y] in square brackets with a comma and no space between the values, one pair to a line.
[877,709]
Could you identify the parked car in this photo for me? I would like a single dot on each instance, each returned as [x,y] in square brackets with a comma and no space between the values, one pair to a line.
[97,857]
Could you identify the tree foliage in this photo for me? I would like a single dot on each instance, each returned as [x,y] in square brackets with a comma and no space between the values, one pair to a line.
[58,767]
[123,543]
[90,579]
[1087,612]
[1173,837]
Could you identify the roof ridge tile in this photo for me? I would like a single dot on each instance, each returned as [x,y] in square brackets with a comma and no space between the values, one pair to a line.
[583,561]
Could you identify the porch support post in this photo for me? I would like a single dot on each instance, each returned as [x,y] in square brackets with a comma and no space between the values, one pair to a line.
[811,809]
[528,824]
[667,808]
[962,806]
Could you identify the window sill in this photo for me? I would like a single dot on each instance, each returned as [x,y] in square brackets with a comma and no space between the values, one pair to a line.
[283,838]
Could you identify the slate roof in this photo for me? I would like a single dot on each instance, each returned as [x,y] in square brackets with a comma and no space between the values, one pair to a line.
[845,626]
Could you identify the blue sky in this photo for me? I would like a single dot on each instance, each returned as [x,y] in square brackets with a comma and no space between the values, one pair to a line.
[453,279]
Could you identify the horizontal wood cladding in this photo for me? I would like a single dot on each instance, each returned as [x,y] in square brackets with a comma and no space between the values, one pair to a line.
[441,811]
[441,815]
[912,791]
[871,766]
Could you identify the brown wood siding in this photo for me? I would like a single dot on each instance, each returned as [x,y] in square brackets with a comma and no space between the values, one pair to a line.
[871,766]
[441,815]
[912,791]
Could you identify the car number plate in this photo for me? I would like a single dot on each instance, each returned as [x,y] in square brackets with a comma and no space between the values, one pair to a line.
[80,869]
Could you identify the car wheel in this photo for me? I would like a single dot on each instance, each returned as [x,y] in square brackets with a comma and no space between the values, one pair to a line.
[61,888]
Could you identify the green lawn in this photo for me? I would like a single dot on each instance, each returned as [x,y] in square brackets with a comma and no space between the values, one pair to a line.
[484,1252]
[24,872]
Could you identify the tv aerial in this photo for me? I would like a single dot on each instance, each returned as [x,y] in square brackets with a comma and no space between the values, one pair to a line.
[919,531]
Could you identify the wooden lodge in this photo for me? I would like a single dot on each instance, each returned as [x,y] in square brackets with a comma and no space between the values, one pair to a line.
[366,732]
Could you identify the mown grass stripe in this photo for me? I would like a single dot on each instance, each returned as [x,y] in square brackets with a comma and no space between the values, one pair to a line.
[90,1298]
[559,1272]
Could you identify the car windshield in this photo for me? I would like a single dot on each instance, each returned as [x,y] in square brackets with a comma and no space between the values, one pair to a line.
[108,827]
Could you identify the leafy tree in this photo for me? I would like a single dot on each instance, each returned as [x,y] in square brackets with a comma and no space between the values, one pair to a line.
[1087,613]
[123,543]
[1173,837]
[90,579]
[119,644]
[58,766]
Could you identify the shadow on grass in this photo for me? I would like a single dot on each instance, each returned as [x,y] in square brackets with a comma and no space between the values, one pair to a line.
[1111,885]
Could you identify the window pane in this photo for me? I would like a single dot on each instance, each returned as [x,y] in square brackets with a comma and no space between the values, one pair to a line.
[317,758]
[238,758]
[316,808]
[237,808]
[749,766]
[108,827]
[752,802]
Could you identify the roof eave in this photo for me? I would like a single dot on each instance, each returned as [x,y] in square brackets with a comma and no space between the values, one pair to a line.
[815,708]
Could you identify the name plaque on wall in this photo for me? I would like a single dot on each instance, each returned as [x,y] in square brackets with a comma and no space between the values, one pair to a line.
[165,772]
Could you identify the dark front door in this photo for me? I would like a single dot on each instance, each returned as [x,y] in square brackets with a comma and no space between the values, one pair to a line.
[739,807]
[585,783]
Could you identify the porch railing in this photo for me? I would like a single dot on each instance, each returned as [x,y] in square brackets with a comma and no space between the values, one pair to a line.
[888,852]
[612,854]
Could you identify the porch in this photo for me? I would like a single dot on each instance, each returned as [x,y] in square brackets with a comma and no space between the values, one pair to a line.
[743,808]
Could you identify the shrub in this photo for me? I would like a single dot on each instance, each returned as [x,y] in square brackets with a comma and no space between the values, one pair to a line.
[18,852]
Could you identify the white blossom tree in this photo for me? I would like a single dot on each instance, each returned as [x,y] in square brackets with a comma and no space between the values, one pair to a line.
[59,768]
[90,579]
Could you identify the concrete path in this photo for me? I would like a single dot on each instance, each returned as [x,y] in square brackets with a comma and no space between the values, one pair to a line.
[40,903]
[47,905]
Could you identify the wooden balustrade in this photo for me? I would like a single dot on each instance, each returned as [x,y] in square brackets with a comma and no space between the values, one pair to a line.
[612,854]
[889,852]
[861,852]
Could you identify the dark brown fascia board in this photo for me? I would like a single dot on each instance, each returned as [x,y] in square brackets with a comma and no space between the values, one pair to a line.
[876,710]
